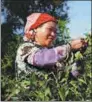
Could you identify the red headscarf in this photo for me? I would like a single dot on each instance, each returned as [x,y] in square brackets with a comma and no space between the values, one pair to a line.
[35,20]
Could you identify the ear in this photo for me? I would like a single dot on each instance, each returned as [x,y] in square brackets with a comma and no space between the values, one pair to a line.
[30,34]
[35,30]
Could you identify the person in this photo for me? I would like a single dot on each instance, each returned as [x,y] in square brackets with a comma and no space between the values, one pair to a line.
[37,52]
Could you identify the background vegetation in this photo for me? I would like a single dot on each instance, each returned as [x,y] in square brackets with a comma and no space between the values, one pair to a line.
[42,87]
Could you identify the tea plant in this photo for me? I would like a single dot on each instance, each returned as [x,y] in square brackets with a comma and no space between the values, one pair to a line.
[64,85]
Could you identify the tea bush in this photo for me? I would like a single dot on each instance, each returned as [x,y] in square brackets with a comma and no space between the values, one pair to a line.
[62,86]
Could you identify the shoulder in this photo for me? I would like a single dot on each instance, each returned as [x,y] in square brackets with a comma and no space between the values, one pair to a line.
[26,44]
[26,47]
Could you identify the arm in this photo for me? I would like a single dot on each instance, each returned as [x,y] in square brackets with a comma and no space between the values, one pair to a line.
[48,56]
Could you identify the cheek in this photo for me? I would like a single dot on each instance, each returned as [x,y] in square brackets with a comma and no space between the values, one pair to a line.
[41,37]
[44,35]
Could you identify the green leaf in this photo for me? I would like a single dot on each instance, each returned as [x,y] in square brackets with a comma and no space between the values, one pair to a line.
[78,55]
[25,83]
[17,91]
[46,76]
[73,83]
[61,92]
[66,93]
[40,95]
[47,91]
[82,81]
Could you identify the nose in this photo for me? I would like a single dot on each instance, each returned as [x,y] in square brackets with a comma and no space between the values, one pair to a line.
[53,34]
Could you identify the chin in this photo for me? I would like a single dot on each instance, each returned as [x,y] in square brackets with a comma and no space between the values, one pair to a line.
[48,44]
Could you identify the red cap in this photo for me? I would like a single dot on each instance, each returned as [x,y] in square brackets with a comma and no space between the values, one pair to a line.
[35,20]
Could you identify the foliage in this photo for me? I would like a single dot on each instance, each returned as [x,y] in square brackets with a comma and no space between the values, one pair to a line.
[17,11]
[51,87]
[39,86]
[62,32]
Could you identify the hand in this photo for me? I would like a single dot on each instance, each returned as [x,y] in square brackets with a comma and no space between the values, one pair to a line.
[77,44]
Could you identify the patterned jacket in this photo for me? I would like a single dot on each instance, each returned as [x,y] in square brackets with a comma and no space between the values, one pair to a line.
[32,57]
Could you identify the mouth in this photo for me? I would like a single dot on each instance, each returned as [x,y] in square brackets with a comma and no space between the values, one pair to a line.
[51,38]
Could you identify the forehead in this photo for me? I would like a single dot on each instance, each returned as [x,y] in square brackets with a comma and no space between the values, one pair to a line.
[49,24]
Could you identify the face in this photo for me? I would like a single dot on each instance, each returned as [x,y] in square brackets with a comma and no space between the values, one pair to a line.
[45,34]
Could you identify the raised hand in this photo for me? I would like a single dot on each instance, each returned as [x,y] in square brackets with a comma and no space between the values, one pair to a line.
[78,44]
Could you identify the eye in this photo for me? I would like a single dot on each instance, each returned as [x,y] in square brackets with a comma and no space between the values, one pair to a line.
[52,30]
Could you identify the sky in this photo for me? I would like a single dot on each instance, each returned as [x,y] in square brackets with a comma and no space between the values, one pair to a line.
[80,18]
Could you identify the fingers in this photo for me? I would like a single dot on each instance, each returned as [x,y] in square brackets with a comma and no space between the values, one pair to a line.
[78,43]
[78,46]
[84,43]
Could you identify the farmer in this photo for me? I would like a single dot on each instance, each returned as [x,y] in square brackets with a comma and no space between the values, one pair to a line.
[37,52]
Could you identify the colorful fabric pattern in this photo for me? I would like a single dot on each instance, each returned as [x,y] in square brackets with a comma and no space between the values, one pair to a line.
[29,54]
